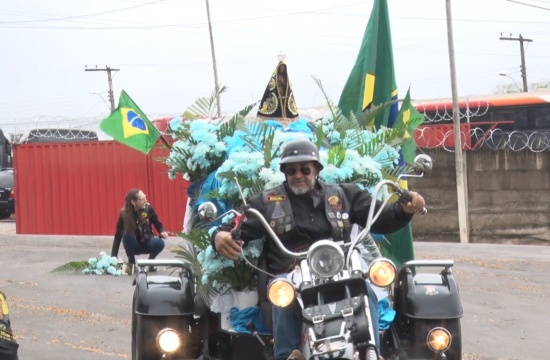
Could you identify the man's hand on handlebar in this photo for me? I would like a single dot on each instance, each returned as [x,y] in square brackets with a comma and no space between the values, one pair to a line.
[415,205]
[227,246]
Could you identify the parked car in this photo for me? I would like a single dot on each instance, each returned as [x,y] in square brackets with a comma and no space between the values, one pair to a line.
[7,193]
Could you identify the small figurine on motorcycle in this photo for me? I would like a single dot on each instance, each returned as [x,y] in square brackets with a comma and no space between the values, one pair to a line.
[302,211]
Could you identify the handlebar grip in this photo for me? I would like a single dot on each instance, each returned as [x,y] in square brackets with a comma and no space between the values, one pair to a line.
[405,196]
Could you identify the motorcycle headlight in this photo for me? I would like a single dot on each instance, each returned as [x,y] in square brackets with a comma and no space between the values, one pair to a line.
[382,272]
[439,339]
[281,293]
[325,258]
[168,340]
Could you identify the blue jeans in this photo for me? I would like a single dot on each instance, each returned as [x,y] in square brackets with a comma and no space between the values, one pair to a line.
[287,325]
[133,247]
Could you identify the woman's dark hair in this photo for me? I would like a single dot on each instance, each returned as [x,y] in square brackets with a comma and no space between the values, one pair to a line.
[128,211]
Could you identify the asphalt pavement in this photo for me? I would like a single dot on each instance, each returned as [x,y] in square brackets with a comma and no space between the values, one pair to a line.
[505,292]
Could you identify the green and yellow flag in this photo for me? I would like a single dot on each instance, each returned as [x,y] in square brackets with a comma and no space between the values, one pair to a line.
[372,79]
[129,126]
[372,83]
[408,112]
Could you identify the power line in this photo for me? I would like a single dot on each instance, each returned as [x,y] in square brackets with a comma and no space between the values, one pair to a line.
[81,16]
[522,3]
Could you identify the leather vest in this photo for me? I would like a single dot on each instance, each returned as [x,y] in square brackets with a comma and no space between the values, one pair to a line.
[281,220]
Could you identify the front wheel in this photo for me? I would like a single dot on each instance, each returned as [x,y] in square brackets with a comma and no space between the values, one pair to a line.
[370,354]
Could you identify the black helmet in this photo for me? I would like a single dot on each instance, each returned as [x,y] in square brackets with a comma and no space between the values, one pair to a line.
[300,150]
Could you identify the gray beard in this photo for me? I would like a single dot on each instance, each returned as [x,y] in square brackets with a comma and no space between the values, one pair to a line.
[303,190]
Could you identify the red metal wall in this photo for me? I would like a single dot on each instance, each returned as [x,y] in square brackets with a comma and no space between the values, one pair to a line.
[78,188]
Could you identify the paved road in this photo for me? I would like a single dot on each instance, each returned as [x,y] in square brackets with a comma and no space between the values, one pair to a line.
[505,293]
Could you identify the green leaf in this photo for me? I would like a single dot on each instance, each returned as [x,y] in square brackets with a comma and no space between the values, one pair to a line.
[71,267]
[204,106]
[236,122]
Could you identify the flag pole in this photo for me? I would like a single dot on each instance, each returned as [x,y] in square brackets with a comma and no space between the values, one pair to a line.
[165,142]
[217,86]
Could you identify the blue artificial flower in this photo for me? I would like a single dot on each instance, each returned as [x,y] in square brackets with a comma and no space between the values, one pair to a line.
[228,218]
[253,249]
[111,270]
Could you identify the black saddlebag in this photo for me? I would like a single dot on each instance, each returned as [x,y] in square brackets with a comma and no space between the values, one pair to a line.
[327,306]
[427,295]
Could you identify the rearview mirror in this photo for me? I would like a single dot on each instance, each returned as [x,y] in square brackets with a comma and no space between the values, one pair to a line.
[207,211]
[422,164]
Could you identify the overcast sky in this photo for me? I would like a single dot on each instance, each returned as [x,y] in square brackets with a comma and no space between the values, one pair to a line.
[162,50]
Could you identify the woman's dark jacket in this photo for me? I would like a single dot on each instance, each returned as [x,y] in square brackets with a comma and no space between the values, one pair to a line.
[144,232]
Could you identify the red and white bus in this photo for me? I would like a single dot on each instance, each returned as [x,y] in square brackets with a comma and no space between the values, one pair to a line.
[519,119]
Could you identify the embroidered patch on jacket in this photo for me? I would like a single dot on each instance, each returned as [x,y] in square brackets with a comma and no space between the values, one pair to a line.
[276,197]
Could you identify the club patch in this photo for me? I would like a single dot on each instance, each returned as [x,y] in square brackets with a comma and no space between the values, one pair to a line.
[276,198]
[335,202]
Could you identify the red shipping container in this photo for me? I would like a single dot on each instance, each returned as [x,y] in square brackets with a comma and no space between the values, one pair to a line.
[78,188]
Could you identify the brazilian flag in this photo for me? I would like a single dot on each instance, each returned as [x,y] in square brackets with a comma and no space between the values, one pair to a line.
[129,126]
[372,83]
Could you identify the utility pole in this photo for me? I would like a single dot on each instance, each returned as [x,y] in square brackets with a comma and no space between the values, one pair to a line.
[521,39]
[110,79]
[460,159]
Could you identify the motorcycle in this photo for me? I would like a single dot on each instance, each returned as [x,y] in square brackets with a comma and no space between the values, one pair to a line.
[329,283]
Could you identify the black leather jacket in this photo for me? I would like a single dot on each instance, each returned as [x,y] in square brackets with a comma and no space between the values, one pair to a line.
[144,232]
[312,224]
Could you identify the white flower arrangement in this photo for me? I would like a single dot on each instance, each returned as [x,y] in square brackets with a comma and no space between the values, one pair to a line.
[200,150]
[101,265]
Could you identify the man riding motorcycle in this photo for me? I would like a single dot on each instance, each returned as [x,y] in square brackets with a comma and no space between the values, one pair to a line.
[302,211]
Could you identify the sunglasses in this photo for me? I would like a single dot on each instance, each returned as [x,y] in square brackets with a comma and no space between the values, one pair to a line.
[292,170]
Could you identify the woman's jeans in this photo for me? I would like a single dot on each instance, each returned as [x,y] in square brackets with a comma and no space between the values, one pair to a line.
[287,325]
[133,247]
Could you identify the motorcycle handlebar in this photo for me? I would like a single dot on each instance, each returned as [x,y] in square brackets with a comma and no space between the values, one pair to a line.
[370,219]
[273,235]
